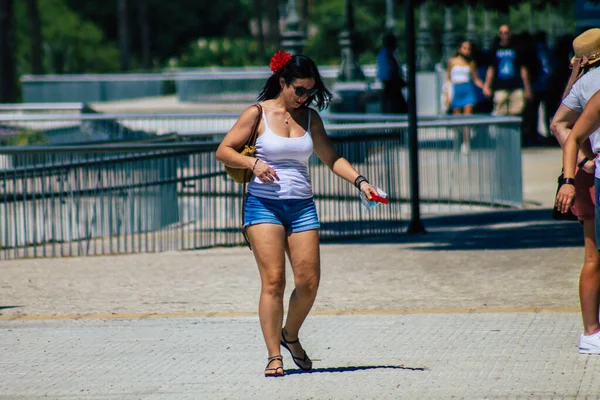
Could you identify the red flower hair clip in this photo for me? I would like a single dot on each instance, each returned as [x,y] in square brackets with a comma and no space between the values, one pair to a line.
[279,60]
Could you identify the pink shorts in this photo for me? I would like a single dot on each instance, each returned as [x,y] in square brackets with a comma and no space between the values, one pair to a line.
[585,199]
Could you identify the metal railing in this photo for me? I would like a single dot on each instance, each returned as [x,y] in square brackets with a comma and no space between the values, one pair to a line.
[126,198]
[84,128]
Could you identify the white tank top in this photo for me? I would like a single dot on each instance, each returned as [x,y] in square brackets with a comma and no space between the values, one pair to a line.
[289,158]
[460,74]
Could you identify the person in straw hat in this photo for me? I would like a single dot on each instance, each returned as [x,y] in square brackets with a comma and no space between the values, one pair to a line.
[580,145]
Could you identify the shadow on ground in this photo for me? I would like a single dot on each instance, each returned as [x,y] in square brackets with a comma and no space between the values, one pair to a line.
[352,369]
[495,230]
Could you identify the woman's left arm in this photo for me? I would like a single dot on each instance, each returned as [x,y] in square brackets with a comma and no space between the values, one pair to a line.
[330,157]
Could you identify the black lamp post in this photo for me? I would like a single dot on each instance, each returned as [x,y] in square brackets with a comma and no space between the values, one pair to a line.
[349,69]
[292,40]
[416,225]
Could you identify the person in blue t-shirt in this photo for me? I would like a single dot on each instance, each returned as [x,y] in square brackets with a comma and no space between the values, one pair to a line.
[507,77]
[541,68]
[388,72]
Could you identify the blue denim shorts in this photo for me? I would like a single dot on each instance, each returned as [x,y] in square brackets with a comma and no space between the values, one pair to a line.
[296,215]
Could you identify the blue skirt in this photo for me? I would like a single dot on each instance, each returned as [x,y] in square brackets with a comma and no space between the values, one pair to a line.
[463,94]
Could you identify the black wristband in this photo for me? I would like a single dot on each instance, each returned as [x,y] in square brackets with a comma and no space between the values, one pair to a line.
[360,179]
[255,162]
[582,163]
[568,181]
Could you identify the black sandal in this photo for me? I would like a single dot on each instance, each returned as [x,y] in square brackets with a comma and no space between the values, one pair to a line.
[271,359]
[304,359]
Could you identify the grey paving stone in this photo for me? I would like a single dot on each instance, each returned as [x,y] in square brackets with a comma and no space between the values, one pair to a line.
[425,356]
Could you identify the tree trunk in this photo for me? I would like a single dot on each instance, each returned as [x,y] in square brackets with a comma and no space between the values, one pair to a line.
[272,11]
[258,14]
[123,34]
[304,16]
[8,73]
[36,37]
[145,34]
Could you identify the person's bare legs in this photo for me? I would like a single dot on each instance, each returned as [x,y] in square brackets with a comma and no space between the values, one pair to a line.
[464,147]
[268,244]
[589,281]
[304,253]
[468,110]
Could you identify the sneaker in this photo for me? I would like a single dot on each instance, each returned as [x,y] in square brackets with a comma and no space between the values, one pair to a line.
[589,344]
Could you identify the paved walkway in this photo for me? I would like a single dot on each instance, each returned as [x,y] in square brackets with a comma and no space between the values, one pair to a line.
[482,306]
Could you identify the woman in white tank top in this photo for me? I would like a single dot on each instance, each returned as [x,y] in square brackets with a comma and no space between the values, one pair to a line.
[461,75]
[280,215]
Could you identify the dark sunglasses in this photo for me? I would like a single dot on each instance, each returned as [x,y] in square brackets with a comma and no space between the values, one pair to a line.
[301,91]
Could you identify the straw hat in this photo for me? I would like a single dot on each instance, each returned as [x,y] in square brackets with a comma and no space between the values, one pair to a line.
[587,47]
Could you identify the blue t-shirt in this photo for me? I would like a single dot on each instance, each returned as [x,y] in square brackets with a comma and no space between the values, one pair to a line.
[387,66]
[507,62]
[545,67]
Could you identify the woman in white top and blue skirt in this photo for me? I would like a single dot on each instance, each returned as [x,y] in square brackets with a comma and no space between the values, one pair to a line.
[461,74]
[279,211]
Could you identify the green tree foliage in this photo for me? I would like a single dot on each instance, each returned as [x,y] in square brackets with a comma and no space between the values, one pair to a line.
[21,137]
[329,19]
[174,23]
[504,6]
[82,36]
[69,43]
[222,52]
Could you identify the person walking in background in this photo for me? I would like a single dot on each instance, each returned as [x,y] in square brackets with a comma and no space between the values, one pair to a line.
[390,75]
[582,85]
[279,211]
[537,115]
[483,104]
[507,77]
[461,74]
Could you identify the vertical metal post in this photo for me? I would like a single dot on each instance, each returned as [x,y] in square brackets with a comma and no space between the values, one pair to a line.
[415,226]
[449,36]
[488,39]
[390,23]
[424,40]
[123,29]
[292,39]
[471,33]
[350,69]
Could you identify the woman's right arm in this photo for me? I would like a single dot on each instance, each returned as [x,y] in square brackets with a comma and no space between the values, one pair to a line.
[561,124]
[448,69]
[236,138]
[446,87]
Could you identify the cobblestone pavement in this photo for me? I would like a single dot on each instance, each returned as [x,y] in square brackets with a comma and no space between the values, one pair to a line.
[483,306]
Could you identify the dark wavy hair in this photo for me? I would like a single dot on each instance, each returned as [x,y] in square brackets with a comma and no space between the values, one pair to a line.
[458,53]
[299,67]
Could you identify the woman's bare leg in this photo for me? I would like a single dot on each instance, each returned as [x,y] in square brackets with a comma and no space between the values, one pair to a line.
[303,250]
[268,244]
[468,110]
[589,281]
[304,253]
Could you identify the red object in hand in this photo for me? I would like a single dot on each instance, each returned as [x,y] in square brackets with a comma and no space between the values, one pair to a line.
[378,198]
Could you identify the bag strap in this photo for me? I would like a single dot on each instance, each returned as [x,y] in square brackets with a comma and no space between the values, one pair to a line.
[254,135]
[251,142]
